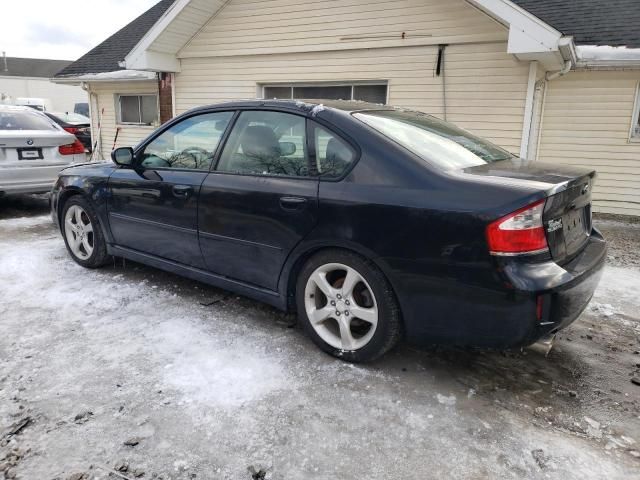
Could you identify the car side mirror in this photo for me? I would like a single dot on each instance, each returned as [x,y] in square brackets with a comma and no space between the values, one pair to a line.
[122,156]
[287,148]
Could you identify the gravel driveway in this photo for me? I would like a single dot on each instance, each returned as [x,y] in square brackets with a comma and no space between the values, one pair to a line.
[131,370]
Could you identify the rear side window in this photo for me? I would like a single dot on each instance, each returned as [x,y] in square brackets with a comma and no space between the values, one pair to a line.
[333,155]
[267,143]
[24,120]
[440,143]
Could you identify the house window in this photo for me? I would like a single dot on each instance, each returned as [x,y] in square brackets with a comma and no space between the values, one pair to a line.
[367,92]
[635,126]
[137,109]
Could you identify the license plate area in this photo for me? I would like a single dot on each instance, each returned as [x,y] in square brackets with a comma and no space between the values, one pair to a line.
[32,153]
[576,229]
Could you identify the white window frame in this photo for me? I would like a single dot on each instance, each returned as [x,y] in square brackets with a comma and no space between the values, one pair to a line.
[352,84]
[118,103]
[634,131]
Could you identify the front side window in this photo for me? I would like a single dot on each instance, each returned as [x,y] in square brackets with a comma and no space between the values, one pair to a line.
[266,143]
[440,143]
[137,109]
[333,155]
[24,120]
[190,144]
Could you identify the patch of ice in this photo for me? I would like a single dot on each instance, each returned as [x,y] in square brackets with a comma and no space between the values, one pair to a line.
[444,400]
[224,368]
[24,222]
[604,309]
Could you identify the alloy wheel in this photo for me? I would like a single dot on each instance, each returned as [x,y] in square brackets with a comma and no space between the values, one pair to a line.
[341,306]
[79,232]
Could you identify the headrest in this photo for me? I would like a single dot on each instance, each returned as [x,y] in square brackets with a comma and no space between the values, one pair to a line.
[260,141]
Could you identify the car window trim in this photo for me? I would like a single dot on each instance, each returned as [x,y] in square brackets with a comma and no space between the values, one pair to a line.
[145,143]
[239,112]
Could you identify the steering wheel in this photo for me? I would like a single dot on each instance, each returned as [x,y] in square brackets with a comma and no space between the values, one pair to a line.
[197,154]
[188,150]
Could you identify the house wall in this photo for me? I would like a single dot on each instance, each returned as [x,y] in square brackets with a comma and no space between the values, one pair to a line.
[246,45]
[103,109]
[586,122]
[247,27]
[62,97]
[485,87]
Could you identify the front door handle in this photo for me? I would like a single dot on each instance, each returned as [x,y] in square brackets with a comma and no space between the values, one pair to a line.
[181,190]
[293,203]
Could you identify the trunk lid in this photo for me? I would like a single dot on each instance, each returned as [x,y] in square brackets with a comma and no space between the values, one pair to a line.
[34,138]
[567,213]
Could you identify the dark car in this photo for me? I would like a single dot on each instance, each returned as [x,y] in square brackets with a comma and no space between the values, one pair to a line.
[372,222]
[74,123]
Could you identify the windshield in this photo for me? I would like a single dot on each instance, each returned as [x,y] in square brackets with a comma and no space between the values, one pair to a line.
[24,120]
[440,143]
[71,117]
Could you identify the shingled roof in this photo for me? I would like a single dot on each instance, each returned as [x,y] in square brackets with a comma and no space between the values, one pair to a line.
[106,56]
[591,22]
[31,67]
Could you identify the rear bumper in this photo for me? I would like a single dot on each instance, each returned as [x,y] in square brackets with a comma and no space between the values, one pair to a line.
[37,179]
[565,290]
[505,313]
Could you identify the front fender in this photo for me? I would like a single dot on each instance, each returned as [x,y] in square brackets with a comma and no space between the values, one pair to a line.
[90,181]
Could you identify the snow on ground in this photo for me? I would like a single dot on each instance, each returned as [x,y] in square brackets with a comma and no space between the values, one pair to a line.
[220,391]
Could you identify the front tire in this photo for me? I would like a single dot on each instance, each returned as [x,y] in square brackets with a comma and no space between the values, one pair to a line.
[82,233]
[347,306]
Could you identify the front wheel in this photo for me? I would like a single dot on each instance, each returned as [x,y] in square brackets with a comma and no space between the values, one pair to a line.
[347,306]
[82,234]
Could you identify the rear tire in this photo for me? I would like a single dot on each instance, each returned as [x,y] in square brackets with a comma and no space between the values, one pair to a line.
[347,307]
[82,233]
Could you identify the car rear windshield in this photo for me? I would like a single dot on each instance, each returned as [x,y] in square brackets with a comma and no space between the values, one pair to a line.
[440,143]
[24,120]
[69,117]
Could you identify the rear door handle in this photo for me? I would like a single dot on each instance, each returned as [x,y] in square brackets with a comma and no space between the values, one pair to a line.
[293,203]
[181,190]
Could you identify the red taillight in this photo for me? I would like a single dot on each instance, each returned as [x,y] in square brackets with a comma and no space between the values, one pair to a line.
[520,232]
[71,149]
[73,130]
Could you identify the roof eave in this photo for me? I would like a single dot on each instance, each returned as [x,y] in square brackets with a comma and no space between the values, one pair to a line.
[530,39]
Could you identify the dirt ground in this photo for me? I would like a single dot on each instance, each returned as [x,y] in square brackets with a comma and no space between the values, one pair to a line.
[128,372]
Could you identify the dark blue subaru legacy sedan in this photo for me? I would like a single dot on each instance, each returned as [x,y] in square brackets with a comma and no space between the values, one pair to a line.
[373,223]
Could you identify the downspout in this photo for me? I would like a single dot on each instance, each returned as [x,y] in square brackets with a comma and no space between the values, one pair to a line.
[543,85]
[560,73]
[98,143]
[529,110]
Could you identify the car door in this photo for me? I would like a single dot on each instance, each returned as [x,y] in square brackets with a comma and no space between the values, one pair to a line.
[153,205]
[261,199]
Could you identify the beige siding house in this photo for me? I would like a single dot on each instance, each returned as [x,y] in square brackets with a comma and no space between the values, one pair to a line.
[507,70]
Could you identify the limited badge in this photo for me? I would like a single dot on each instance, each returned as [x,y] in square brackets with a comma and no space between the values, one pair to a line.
[554,225]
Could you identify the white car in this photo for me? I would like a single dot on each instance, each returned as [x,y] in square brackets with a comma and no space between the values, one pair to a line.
[33,149]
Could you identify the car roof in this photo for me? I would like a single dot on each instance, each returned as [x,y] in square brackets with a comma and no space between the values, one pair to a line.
[303,105]
[16,108]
